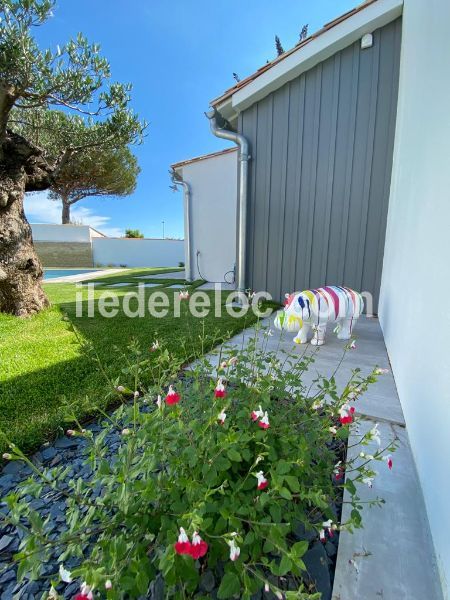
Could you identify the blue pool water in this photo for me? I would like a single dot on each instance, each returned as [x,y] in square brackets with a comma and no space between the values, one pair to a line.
[53,273]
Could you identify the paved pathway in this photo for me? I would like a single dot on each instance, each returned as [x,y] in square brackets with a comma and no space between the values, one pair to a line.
[392,557]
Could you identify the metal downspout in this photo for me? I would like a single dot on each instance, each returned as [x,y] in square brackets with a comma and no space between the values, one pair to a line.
[243,158]
[187,214]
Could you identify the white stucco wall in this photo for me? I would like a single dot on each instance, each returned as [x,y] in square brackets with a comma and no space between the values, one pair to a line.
[213,183]
[43,232]
[137,252]
[415,291]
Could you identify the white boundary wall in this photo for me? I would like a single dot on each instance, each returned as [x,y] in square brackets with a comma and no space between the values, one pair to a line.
[43,232]
[137,252]
[414,309]
[213,184]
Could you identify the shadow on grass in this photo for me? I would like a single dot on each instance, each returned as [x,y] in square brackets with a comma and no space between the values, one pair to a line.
[32,404]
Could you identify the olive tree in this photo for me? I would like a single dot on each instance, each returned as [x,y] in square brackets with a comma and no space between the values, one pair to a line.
[54,106]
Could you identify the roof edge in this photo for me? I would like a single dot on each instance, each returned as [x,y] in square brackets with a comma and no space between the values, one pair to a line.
[333,37]
[195,159]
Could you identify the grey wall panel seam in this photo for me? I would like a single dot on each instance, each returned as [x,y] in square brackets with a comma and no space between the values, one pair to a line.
[331,166]
[299,172]
[313,175]
[349,170]
[369,155]
[268,190]
[283,185]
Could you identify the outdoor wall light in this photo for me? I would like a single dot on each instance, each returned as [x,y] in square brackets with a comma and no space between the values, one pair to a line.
[366,41]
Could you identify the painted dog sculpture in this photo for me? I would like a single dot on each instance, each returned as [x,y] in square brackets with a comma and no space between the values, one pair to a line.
[313,309]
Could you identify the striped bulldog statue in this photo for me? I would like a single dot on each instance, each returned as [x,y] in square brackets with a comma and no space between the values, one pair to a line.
[313,309]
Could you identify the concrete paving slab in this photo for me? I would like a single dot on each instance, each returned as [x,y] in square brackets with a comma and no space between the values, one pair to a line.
[380,401]
[392,556]
[224,287]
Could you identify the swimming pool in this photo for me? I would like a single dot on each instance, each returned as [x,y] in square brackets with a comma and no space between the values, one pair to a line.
[53,273]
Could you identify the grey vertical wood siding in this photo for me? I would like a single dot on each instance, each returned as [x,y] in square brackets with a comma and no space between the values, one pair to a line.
[320,172]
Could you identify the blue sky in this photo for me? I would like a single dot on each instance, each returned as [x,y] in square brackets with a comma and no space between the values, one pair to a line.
[178,55]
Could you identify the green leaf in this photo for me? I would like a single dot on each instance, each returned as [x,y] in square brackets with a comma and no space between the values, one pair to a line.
[292,483]
[285,565]
[234,455]
[229,586]
[275,512]
[285,493]
[283,467]
[350,487]
[299,548]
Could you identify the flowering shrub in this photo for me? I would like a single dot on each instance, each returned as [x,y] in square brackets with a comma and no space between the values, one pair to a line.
[210,479]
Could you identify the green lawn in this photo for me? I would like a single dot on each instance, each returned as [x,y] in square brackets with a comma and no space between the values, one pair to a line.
[42,362]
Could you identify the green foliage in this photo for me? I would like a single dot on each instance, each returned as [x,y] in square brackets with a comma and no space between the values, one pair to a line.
[279,48]
[133,233]
[74,77]
[177,466]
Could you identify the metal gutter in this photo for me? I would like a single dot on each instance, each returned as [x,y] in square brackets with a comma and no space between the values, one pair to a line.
[243,158]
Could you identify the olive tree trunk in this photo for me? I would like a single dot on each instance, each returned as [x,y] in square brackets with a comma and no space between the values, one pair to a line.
[21,272]
[65,212]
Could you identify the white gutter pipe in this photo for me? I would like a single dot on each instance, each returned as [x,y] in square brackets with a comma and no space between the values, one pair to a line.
[187,216]
[243,158]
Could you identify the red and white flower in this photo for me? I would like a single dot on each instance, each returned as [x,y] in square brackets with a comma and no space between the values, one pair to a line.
[257,414]
[262,481]
[368,481]
[338,470]
[232,361]
[332,430]
[184,295]
[64,574]
[345,414]
[379,371]
[154,346]
[222,416]
[85,592]
[219,391]
[172,397]
[388,460]
[366,456]
[234,550]
[223,364]
[108,584]
[183,545]
[374,434]
[264,423]
[198,547]
[329,526]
